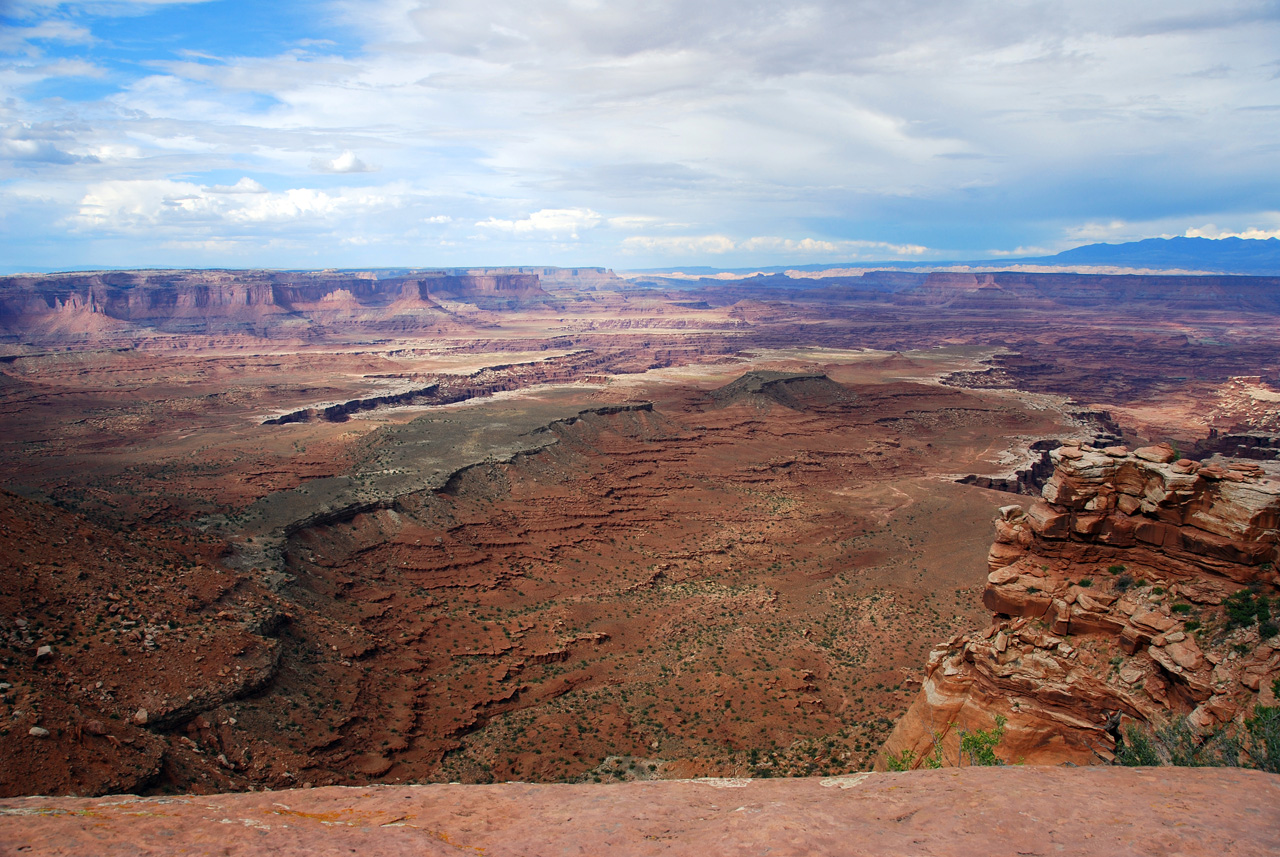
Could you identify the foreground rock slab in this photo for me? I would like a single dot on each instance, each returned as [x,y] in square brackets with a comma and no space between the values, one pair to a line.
[967,811]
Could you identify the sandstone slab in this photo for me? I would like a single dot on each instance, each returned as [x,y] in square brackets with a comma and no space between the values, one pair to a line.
[947,813]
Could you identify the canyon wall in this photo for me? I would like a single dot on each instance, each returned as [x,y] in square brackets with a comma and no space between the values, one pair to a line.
[243,301]
[1134,590]
[1131,291]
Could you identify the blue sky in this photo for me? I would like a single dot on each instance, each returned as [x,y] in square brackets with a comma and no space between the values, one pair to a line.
[357,133]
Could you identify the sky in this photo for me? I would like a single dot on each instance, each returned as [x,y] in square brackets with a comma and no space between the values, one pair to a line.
[648,133]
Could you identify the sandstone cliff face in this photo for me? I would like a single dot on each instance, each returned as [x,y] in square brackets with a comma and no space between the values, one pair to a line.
[245,301]
[1109,596]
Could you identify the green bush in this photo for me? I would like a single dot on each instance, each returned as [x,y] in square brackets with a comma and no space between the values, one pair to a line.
[1244,607]
[1136,750]
[900,761]
[980,745]
[1261,745]
[1173,742]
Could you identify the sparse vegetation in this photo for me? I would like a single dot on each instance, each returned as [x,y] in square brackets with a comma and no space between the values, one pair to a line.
[979,746]
[1173,742]
[1246,606]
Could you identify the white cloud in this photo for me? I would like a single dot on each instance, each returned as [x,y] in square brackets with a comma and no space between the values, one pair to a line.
[767,245]
[556,222]
[810,246]
[634,221]
[347,162]
[245,185]
[37,144]
[1023,251]
[53,30]
[291,205]
[1094,233]
[123,206]
[1211,231]
[814,119]
[680,245]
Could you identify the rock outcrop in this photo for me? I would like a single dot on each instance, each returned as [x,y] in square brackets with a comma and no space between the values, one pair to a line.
[943,813]
[1136,589]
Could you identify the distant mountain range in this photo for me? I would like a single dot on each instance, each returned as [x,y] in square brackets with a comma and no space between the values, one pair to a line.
[1221,255]
[1252,256]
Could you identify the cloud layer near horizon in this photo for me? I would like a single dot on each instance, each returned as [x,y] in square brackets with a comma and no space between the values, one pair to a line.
[397,132]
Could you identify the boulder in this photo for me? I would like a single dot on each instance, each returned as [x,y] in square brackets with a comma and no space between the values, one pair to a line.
[1161,453]
[1048,522]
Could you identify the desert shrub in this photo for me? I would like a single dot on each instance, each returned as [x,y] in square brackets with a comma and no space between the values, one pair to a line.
[1261,741]
[1115,569]
[1124,581]
[1181,608]
[905,760]
[1244,607]
[1173,742]
[980,745]
[1136,750]
[1085,581]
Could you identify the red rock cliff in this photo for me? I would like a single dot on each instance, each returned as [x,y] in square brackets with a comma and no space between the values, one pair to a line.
[1108,596]
[240,301]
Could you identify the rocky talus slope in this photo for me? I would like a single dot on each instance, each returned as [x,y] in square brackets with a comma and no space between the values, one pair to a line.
[1135,590]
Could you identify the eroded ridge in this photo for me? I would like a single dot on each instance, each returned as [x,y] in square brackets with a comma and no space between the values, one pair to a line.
[1129,592]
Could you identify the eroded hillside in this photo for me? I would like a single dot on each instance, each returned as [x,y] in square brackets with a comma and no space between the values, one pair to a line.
[338,528]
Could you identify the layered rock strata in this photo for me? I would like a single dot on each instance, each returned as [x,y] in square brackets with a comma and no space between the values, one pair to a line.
[1110,599]
[275,302]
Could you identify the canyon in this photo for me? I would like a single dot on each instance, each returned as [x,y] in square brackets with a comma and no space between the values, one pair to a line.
[268,530]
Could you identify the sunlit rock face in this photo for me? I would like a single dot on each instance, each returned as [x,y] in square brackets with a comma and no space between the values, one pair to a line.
[1108,597]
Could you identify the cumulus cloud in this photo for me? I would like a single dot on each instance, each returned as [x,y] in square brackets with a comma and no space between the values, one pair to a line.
[122,206]
[1211,231]
[245,185]
[347,162]
[618,125]
[555,222]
